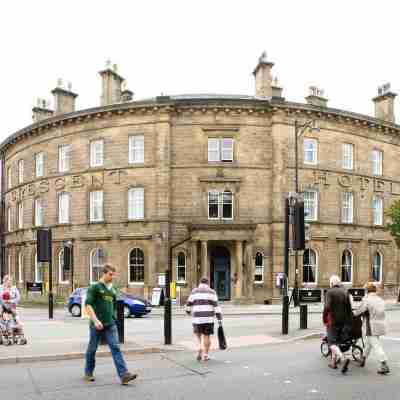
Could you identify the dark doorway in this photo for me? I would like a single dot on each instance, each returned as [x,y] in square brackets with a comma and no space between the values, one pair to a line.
[220,271]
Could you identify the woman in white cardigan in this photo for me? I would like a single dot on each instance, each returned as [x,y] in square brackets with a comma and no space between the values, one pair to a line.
[372,309]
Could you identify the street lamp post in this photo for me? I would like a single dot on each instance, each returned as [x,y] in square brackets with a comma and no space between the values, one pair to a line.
[299,131]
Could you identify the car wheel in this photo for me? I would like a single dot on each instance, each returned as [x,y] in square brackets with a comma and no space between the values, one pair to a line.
[127,312]
[75,310]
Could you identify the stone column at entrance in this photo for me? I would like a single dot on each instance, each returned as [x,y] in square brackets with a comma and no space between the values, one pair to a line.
[250,268]
[204,260]
[239,269]
[193,270]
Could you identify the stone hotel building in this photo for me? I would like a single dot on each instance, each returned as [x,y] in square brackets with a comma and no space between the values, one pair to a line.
[123,181]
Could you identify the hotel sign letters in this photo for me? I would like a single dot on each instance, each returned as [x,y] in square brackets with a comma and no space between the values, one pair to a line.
[356,183]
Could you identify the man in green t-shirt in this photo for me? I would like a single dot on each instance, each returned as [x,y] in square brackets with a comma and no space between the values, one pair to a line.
[101,299]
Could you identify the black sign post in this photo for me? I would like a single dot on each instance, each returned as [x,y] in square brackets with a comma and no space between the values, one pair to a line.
[357,294]
[44,250]
[307,296]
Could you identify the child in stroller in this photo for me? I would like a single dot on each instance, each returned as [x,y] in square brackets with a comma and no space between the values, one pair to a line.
[10,329]
[348,344]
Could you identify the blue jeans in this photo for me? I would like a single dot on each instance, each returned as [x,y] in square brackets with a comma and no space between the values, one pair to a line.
[111,335]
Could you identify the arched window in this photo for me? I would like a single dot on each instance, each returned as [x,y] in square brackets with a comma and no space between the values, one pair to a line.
[347,266]
[310,267]
[97,261]
[377,267]
[181,267]
[136,266]
[259,270]
[20,277]
[39,270]
[63,273]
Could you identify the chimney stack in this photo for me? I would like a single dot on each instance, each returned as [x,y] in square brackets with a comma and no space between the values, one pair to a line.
[111,85]
[384,103]
[64,99]
[41,110]
[316,97]
[263,77]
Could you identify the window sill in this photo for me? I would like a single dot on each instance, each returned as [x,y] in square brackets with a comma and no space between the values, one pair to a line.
[96,222]
[62,224]
[259,283]
[96,168]
[136,284]
[136,164]
[181,283]
[136,220]
[309,284]
[64,283]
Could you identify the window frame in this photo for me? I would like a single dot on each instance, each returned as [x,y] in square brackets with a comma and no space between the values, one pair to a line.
[259,267]
[93,154]
[38,200]
[20,171]
[220,149]
[350,208]
[20,214]
[39,164]
[141,282]
[380,266]
[20,261]
[311,218]
[346,266]
[375,197]
[179,266]
[64,158]
[92,206]
[37,269]
[61,268]
[133,214]
[345,156]
[134,149]
[9,219]
[315,272]
[60,196]
[315,151]
[9,177]
[377,162]
[98,266]
[220,204]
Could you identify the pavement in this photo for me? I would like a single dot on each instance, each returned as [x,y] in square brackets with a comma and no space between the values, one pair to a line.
[66,337]
[262,372]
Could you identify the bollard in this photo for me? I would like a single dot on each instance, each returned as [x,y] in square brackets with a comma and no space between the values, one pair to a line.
[303,316]
[121,321]
[285,315]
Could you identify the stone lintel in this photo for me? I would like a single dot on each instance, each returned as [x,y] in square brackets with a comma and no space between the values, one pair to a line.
[95,238]
[348,239]
[135,237]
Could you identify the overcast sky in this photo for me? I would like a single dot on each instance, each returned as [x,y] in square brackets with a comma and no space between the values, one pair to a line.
[348,48]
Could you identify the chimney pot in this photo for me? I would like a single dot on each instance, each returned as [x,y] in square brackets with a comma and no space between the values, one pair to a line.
[41,110]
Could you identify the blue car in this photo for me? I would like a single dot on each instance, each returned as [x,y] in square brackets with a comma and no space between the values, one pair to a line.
[133,306]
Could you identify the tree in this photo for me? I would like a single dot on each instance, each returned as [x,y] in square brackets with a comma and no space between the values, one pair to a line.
[394,225]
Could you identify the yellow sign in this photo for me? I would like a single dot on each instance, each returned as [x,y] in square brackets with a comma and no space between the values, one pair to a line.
[173,290]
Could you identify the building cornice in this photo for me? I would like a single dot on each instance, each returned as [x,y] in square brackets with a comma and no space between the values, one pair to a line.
[246,105]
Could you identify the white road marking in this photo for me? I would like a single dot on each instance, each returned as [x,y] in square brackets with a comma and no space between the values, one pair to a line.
[228,362]
[313,391]
[246,367]
[288,381]
[267,373]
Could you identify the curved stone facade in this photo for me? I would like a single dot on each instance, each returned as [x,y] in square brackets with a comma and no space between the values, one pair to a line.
[216,169]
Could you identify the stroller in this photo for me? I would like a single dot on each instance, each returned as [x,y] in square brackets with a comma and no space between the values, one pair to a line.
[350,344]
[10,330]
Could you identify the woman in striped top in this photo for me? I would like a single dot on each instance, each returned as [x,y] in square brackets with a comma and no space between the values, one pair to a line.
[203,305]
